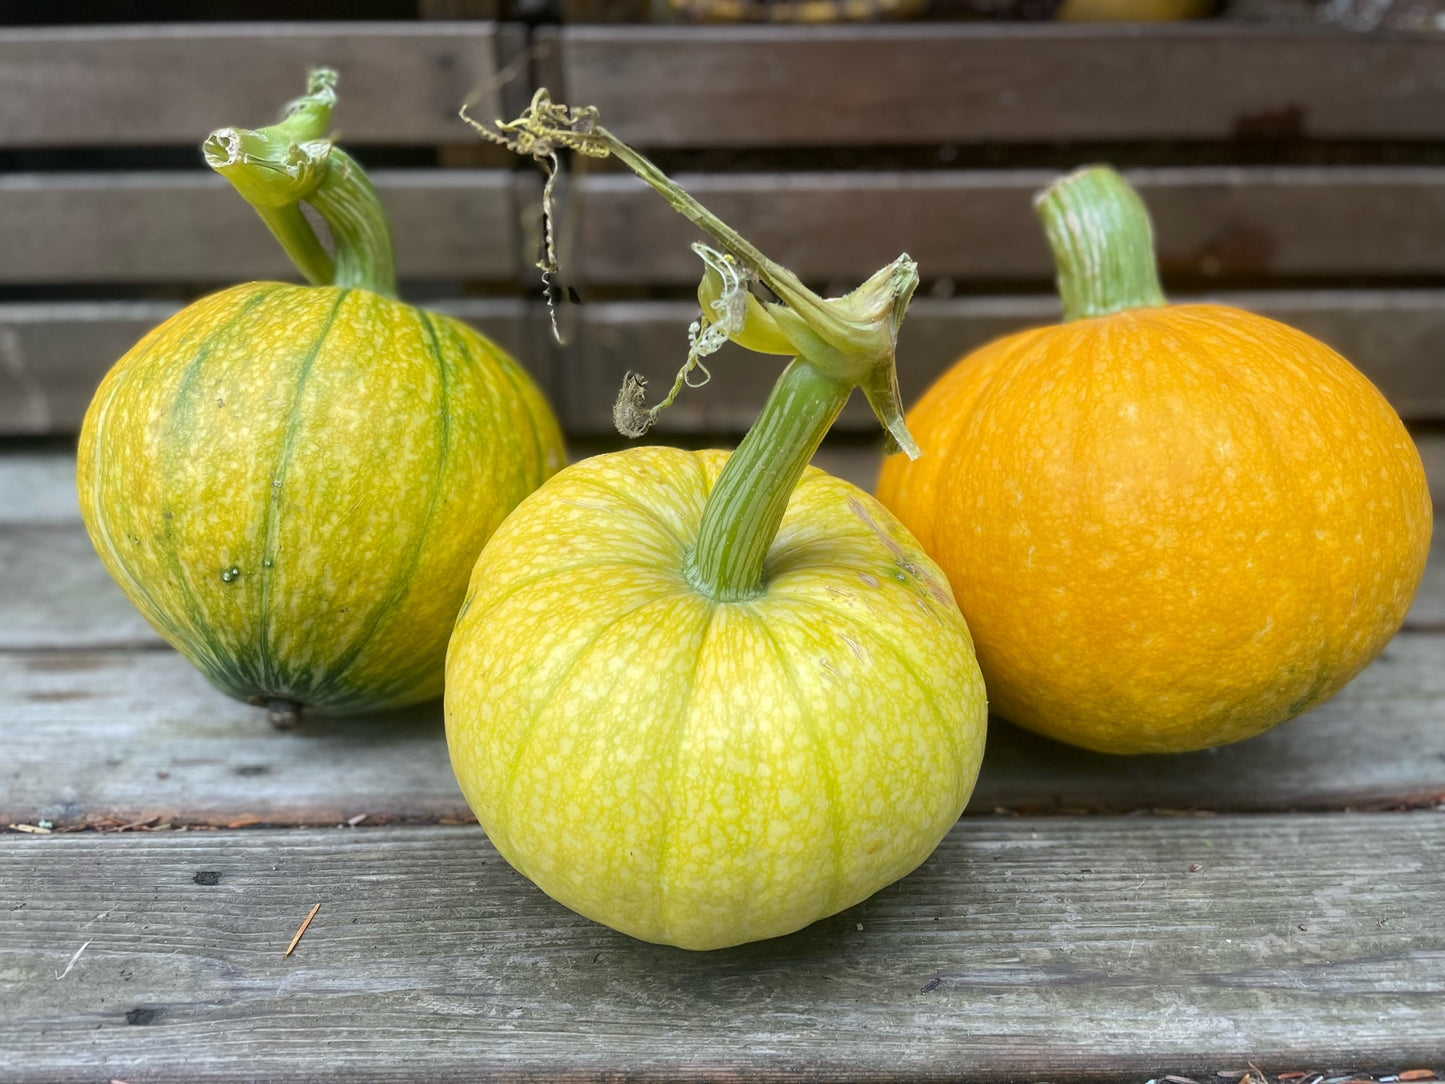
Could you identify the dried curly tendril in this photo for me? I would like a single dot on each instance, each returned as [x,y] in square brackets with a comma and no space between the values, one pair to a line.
[537,133]
[707,334]
[852,338]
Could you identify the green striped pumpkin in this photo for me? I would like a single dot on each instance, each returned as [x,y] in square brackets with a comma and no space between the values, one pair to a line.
[292,484]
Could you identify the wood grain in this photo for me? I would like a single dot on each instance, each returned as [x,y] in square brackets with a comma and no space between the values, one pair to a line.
[1217,223]
[105,723]
[128,735]
[1394,337]
[149,84]
[961,83]
[1064,949]
[53,354]
[37,488]
[1213,223]
[57,595]
[183,227]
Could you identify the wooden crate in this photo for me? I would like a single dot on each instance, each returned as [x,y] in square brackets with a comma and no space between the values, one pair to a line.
[1274,904]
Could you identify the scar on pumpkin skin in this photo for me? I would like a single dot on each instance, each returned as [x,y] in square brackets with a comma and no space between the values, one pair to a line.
[900,556]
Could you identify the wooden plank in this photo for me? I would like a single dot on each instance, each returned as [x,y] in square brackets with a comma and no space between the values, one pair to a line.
[859,460]
[37,489]
[1211,222]
[57,594]
[53,354]
[1432,452]
[77,603]
[183,227]
[1065,949]
[98,712]
[129,735]
[149,84]
[1394,337]
[966,83]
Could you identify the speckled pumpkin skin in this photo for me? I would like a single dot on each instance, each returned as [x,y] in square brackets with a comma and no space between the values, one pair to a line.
[293,483]
[696,773]
[1169,528]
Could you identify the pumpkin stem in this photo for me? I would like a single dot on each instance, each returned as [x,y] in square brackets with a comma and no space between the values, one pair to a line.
[837,344]
[276,168]
[284,713]
[745,509]
[1103,244]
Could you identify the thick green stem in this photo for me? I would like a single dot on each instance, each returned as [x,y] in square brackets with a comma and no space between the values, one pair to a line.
[352,211]
[746,506]
[275,168]
[838,344]
[1103,244]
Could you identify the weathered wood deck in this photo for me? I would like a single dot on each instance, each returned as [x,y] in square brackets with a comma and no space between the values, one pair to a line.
[1281,901]
[1271,907]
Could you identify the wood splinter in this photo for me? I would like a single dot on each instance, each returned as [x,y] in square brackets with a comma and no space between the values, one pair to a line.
[292,946]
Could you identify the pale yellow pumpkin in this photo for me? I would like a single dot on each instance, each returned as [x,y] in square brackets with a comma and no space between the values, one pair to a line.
[698,772]
[708,698]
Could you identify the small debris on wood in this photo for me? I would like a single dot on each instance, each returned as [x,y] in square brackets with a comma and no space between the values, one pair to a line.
[134,825]
[292,946]
[207,877]
[32,829]
[1419,1074]
[1303,929]
[354,821]
[73,959]
[1179,1080]
[1195,867]
[930,986]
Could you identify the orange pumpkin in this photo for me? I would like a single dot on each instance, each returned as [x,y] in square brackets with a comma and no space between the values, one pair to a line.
[1168,526]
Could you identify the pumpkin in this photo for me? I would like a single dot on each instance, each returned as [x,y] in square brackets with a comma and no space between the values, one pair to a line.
[708,698]
[293,482]
[1169,526]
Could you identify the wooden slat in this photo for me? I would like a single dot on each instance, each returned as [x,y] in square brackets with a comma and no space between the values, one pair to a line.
[125,736]
[774,86]
[37,489]
[1067,949]
[53,354]
[1395,337]
[82,676]
[192,227]
[1214,222]
[76,604]
[859,460]
[401,83]
[1432,453]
